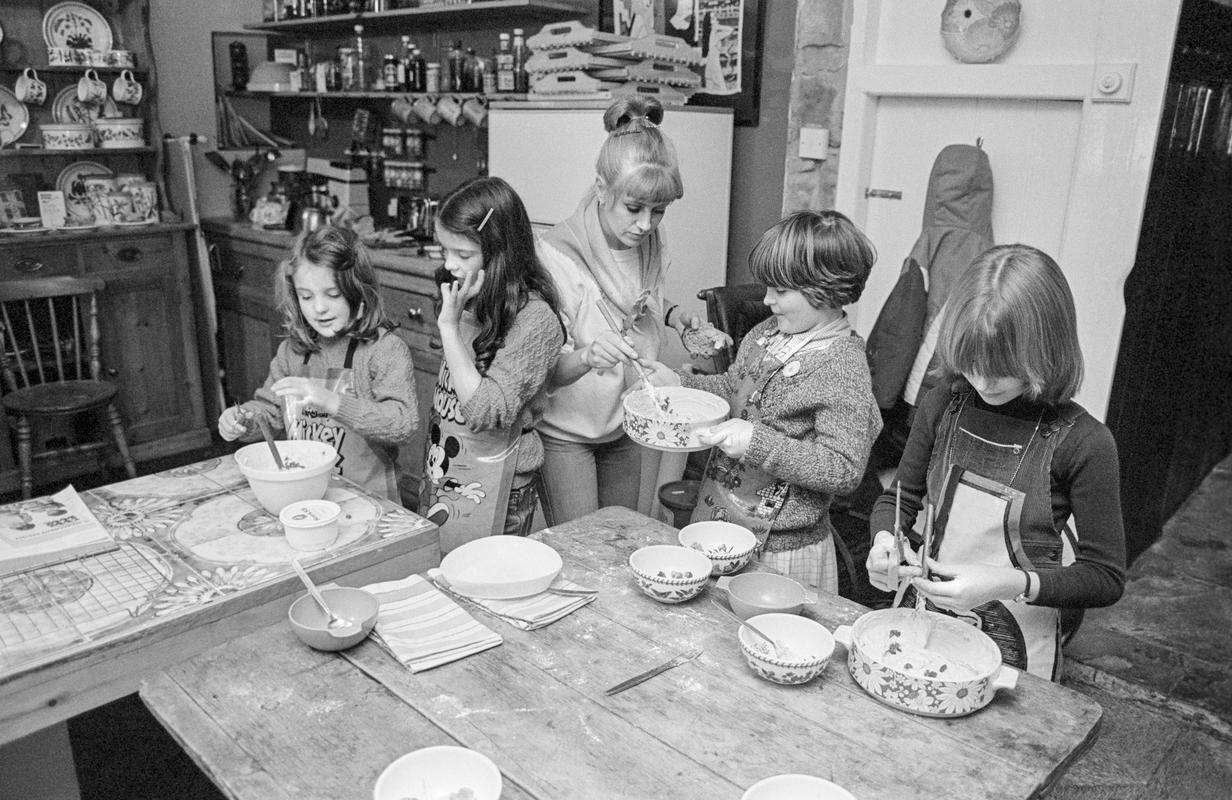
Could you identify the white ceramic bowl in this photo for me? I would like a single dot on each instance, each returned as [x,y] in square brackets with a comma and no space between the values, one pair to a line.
[439,773]
[796,787]
[924,662]
[116,132]
[310,524]
[311,464]
[753,593]
[354,605]
[728,546]
[67,136]
[501,567]
[670,573]
[673,425]
[804,647]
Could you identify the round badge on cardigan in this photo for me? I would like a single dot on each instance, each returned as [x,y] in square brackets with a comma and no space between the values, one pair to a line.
[791,369]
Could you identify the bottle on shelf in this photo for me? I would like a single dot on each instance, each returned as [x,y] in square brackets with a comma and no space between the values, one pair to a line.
[489,74]
[404,66]
[457,67]
[389,73]
[432,77]
[504,65]
[473,77]
[521,78]
[362,62]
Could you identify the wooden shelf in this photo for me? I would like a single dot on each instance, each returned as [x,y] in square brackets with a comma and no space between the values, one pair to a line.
[375,95]
[476,14]
[10,239]
[69,68]
[42,152]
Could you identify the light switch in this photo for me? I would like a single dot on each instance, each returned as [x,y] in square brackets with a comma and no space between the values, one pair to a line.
[1113,83]
[814,142]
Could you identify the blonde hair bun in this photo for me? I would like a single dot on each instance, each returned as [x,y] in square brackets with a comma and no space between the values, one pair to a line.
[626,110]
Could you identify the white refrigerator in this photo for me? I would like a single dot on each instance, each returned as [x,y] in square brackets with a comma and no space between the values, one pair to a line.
[546,150]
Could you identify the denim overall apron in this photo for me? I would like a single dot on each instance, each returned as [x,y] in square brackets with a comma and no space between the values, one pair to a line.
[732,490]
[993,502]
[357,460]
[467,473]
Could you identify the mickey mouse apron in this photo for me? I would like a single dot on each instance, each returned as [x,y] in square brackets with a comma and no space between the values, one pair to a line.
[357,460]
[994,507]
[731,489]
[468,473]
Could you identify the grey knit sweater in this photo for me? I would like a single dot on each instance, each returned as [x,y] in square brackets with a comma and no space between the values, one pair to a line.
[514,390]
[815,432]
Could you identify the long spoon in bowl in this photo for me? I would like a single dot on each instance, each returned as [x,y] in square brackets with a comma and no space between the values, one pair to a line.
[337,626]
[263,424]
[774,646]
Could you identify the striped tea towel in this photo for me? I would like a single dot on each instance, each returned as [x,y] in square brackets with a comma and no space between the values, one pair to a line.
[530,613]
[423,628]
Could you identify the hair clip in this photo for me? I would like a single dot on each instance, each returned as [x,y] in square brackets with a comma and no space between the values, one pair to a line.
[486,217]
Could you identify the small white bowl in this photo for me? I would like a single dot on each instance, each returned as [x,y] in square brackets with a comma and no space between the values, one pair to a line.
[796,787]
[669,573]
[674,428]
[312,626]
[728,546]
[118,132]
[435,773]
[310,524]
[804,647]
[311,463]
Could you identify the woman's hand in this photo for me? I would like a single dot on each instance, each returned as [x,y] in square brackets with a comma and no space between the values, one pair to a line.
[312,394]
[607,350]
[455,296]
[659,373]
[970,585]
[233,423]
[881,557]
[732,437]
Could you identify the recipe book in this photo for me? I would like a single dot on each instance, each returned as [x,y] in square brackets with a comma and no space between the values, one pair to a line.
[49,530]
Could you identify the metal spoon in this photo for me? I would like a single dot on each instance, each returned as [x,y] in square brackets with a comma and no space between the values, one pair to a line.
[337,626]
[774,646]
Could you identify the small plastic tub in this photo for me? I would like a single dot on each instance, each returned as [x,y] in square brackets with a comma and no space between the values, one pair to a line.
[310,524]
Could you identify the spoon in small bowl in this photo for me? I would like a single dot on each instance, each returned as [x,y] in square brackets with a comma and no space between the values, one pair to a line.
[337,626]
[774,646]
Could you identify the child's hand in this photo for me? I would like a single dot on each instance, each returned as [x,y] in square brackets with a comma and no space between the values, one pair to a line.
[233,423]
[969,585]
[702,339]
[732,437]
[882,556]
[455,296]
[309,392]
[607,350]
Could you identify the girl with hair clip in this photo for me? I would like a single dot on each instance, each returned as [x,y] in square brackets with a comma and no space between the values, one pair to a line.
[803,416]
[609,260]
[341,376]
[500,336]
[1004,458]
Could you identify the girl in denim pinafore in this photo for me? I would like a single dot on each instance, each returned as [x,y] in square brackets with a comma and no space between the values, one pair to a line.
[1007,462]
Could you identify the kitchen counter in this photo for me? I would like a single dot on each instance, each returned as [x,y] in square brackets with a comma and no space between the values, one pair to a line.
[404,260]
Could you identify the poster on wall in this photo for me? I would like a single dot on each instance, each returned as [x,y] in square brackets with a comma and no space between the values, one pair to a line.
[727,34]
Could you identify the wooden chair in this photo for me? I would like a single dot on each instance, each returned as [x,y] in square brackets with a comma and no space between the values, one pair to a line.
[49,354]
[735,310]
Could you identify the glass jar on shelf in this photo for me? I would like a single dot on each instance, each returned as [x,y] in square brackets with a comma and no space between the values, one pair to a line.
[348,66]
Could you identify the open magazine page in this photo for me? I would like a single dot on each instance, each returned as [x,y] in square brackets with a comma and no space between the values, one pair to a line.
[49,530]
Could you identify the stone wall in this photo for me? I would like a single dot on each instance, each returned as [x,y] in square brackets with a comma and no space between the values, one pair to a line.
[817,83]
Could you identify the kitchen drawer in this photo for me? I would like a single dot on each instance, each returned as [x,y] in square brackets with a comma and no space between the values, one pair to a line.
[30,261]
[118,254]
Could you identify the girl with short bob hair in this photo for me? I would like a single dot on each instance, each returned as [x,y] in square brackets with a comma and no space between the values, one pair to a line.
[822,254]
[1012,313]
[1005,460]
[341,375]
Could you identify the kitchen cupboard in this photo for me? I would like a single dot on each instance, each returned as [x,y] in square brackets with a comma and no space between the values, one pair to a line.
[244,263]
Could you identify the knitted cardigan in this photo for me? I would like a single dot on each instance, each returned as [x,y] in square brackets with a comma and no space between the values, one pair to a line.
[817,426]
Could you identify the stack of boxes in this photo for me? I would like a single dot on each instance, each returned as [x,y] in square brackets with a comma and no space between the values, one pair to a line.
[569,60]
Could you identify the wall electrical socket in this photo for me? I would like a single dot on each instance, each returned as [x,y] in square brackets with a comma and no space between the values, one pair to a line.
[814,142]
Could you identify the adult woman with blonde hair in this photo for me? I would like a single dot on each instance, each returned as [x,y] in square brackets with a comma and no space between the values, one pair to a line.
[609,260]
[1005,459]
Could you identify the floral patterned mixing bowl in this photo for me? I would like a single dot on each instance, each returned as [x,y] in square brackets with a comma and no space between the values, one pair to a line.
[803,647]
[670,419]
[923,662]
[668,573]
[728,546]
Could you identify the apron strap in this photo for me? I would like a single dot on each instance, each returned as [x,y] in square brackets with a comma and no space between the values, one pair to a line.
[352,346]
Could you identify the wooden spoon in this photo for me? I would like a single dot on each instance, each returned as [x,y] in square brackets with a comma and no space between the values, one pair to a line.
[263,424]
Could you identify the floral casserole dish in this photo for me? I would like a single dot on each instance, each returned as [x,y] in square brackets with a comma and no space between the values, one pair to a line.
[923,662]
[670,418]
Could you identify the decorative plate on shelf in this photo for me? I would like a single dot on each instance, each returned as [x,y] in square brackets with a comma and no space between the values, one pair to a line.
[76,201]
[67,108]
[76,25]
[14,117]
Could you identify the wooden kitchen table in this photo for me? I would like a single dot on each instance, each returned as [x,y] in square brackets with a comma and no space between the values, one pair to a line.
[200,562]
[266,717]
